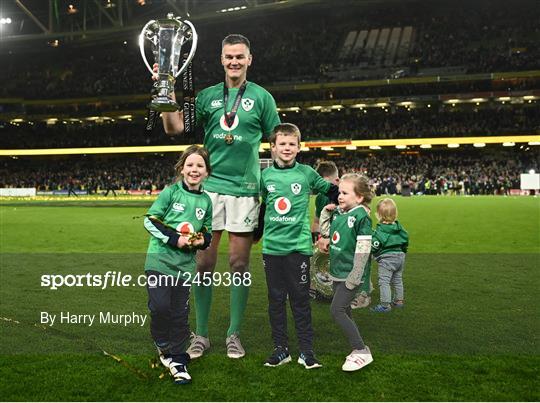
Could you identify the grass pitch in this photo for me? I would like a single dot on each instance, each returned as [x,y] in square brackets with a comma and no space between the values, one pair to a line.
[469,330]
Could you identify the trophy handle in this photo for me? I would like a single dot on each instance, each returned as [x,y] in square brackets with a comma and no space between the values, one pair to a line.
[141,45]
[194,39]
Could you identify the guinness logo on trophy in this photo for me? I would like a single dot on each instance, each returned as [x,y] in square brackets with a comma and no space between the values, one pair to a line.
[169,38]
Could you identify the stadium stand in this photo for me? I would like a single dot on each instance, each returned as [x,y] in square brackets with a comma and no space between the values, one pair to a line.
[485,171]
[317,65]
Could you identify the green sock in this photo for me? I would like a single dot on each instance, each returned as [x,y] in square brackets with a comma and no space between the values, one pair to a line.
[203,301]
[239,297]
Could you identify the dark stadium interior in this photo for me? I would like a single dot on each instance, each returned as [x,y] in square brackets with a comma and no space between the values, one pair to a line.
[448,69]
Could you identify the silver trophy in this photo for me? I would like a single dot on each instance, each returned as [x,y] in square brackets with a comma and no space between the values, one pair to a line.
[168,37]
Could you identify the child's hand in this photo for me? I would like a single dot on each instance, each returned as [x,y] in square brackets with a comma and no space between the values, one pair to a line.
[330,207]
[196,239]
[323,244]
[183,241]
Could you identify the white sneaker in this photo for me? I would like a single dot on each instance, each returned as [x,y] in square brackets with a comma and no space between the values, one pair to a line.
[234,347]
[179,373]
[357,359]
[165,360]
[164,357]
[197,346]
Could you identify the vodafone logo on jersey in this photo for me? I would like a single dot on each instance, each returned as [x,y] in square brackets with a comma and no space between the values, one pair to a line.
[224,125]
[185,228]
[335,237]
[282,205]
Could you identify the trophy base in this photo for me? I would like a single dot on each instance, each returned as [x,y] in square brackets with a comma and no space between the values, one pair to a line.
[163,104]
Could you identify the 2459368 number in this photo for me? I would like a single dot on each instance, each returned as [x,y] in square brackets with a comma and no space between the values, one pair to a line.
[217,279]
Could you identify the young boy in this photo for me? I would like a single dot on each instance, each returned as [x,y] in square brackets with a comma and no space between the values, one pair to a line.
[389,246]
[287,247]
[330,173]
[321,285]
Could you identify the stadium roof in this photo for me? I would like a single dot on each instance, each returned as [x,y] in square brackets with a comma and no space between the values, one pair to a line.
[34,20]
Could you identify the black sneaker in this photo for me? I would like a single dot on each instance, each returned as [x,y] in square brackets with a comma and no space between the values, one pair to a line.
[279,356]
[308,360]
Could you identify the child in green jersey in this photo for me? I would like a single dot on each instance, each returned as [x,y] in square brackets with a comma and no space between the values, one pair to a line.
[389,246]
[180,223]
[321,285]
[346,231]
[286,187]
[329,172]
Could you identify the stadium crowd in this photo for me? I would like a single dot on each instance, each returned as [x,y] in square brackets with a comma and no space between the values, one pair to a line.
[370,123]
[433,172]
[479,36]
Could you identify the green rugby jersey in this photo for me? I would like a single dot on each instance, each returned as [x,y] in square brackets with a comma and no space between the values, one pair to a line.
[389,238]
[345,229]
[185,211]
[286,221]
[235,167]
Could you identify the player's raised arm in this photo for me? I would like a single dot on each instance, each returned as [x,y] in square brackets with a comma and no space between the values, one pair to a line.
[173,122]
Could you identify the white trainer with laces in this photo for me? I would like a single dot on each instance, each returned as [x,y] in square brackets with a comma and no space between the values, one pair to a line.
[234,347]
[179,373]
[164,357]
[357,359]
[197,346]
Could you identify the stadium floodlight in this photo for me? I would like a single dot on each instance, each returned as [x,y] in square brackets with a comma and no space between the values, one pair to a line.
[381,104]
[529,97]
[477,100]
[509,144]
[401,146]
[453,145]
[532,171]
[350,147]
[327,148]
[452,101]
[503,99]
[374,147]
[4,21]
[479,145]
[425,146]
[304,148]
[534,143]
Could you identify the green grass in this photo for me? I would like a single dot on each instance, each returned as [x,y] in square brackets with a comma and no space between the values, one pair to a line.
[470,330]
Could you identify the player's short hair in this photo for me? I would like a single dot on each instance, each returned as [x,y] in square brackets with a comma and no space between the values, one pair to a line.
[193,149]
[285,129]
[387,210]
[327,169]
[361,186]
[235,39]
